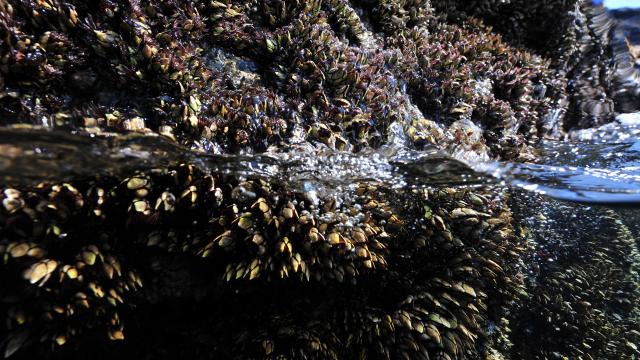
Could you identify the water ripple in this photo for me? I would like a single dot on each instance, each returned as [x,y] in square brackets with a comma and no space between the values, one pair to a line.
[582,172]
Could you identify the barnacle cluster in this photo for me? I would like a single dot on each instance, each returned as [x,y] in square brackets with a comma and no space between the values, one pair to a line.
[54,284]
[189,263]
[576,37]
[582,302]
[369,276]
[233,76]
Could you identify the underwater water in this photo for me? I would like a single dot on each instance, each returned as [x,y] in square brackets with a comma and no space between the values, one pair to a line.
[578,207]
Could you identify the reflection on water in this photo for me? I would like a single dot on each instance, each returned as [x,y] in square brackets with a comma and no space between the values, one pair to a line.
[591,173]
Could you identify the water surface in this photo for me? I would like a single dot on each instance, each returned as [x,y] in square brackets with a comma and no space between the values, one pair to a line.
[595,166]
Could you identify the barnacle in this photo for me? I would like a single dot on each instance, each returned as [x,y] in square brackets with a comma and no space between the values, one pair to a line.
[575,36]
[59,280]
[363,275]
[259,83]
[582,303]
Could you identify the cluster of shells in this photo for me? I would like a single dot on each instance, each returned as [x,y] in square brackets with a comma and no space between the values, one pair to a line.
[189,263]
[577,39]
[285,274]
[582,302]
[244,76]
